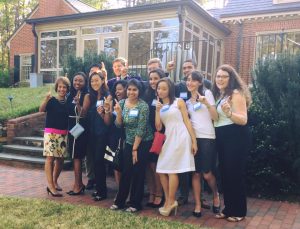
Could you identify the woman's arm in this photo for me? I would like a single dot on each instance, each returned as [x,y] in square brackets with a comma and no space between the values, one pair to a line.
[45,102]
[236,108]
[107,111]
[158,123]
[186,120]
[85,106]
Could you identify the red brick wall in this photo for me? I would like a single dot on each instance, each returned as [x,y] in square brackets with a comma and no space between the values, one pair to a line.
[23,42]
[25,126]
[250,28]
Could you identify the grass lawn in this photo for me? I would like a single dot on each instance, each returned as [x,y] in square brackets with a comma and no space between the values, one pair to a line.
[25,101]
[34,213]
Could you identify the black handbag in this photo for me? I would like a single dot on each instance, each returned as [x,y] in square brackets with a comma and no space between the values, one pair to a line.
[114,156]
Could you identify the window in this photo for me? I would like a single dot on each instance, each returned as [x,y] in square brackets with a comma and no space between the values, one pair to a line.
[138,26]
[55,46]
[90,46]
[25,64]
[270,45]
[111,46]
[102,29]
[139,44]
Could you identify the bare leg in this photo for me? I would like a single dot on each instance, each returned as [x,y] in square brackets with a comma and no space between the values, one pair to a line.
[150,183]
[117,176]
[197,190]
[78,175]
[49,173]
[157,185]
[211,180]
[164,179]
[58,166]
[173,186]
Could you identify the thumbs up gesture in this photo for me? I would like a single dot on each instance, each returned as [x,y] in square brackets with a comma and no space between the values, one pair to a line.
[158,104]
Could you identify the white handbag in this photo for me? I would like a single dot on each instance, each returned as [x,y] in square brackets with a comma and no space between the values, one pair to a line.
[77,130]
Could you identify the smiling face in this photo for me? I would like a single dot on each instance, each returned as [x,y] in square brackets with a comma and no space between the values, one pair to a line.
[187,68]
[62,89]
[132,92]
[222,80]
[96,82]
[163,90]
[192,85]
[78,82]
[153,80]
[118,68]
[120,92]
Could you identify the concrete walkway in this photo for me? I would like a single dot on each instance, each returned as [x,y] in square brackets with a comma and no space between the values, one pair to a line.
[262,214]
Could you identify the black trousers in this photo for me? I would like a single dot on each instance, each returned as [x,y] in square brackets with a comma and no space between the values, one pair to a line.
[98,149]
[133,176]
[233,144]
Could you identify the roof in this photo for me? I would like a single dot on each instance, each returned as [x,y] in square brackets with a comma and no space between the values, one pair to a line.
[249,7]
[80,6]
[132,10]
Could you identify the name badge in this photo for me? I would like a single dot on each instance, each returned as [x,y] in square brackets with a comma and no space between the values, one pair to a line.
[133,113]
[99,103]
[197,106]
[183,95]
[153,102]
[165,108]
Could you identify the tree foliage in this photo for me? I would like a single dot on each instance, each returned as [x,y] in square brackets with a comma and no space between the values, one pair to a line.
[274,163]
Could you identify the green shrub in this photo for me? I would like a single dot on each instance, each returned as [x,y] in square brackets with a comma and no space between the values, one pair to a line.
[274,117]
[78,64]
[4,78]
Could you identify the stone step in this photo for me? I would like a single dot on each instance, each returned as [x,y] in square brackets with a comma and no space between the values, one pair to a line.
[27,161]
[30,141]
[24,150]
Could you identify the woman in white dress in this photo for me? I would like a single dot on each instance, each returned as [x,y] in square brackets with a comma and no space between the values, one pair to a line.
[177,152]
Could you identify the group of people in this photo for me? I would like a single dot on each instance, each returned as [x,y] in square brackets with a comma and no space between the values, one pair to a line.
[204,124]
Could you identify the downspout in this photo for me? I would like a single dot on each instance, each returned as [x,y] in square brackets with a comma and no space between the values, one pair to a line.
[239,44]
[36,47]
[180,14]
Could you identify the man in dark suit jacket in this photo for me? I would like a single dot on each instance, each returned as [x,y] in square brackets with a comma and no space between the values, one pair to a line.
[120,68]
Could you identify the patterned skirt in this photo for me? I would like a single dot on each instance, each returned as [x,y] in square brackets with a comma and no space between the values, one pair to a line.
[55,145]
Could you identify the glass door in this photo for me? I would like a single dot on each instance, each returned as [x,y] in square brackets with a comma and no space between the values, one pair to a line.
[110,44]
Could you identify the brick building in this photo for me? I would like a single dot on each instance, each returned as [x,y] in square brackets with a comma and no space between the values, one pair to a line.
[237,32]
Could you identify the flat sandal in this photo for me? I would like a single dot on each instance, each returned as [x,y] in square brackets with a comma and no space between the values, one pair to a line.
[235,219]
[220,216]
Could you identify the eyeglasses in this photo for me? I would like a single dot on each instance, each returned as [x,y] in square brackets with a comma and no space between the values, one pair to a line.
[222,77]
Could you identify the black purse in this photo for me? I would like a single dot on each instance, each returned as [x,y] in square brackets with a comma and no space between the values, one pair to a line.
[114,156]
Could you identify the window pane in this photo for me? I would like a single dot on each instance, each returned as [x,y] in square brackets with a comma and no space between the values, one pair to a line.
[205,35]
[49,34]
[112,28]
[111,46]
[138,45]
[187,36]
[166,36]
[143,25]
[90,46]
[210,58]
[49,77]
[48,54]
[188,25]
[196,29]
[204,56]
[66,47]
[196,48]
[67,33]
[90,30]
[166,23]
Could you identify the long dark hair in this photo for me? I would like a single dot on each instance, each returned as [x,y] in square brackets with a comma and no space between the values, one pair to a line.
[235,83]
[84,90]
[137,84]
[197,76]
[103,89]
[150,92]
[171,87]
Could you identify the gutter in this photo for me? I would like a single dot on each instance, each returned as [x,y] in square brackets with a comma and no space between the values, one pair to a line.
[36,47]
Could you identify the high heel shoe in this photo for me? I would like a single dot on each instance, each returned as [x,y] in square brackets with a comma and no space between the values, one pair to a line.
[80,192]
[53,194]
[167,211]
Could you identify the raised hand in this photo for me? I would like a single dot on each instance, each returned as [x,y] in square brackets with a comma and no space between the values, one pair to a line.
[170,66]
[226,106]
[158,104]
[117,107]
[77,98]
[107,105]
[202,99]
[104,71]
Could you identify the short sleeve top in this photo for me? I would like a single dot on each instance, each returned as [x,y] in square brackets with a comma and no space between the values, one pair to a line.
[57,114]
[135,121]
